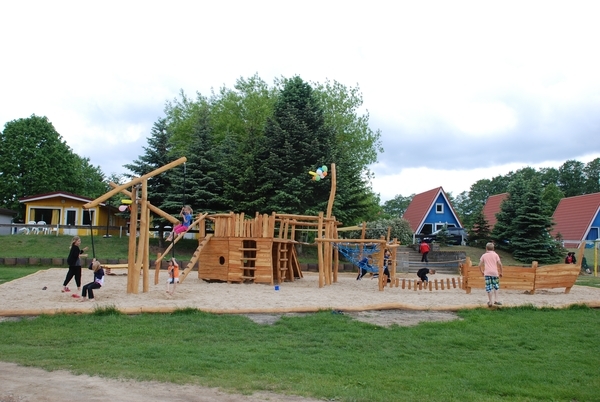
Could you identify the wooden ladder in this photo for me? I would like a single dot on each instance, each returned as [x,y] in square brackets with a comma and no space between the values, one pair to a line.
[283,263]
[195,257]
[248,262]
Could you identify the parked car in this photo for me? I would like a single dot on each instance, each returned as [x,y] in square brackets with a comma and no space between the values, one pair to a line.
[456,236]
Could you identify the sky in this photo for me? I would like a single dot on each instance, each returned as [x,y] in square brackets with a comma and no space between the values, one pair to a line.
[460,90]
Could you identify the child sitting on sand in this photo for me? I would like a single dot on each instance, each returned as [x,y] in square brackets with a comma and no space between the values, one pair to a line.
[96,284]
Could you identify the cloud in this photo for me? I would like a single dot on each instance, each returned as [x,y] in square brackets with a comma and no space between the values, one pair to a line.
[460,91]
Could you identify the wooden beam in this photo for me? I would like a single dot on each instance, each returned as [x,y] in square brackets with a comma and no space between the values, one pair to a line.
[134,182]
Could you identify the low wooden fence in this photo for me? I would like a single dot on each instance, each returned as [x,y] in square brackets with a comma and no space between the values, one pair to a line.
[524,278]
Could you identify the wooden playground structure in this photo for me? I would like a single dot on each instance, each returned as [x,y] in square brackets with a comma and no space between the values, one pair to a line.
[260,249]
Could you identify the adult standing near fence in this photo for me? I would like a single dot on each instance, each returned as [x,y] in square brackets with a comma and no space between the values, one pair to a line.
[491,268]
[424,250]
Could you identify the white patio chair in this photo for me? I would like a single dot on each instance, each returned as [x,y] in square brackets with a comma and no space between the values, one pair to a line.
[33,230]
[44,230]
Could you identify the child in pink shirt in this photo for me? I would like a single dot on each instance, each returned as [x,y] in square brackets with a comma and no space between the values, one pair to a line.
[491,268]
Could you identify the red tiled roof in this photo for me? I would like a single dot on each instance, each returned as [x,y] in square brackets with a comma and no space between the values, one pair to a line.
[421,204]
[574,215]
[492,207]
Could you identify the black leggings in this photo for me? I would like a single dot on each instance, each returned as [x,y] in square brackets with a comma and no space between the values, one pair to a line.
[74,271]
[87,289]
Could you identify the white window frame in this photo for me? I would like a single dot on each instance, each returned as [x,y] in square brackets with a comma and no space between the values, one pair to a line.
[439,208]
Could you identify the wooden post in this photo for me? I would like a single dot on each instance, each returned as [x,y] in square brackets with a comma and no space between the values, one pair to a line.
[131,281]
[143,236]
[320,252]
[146,259]
[336,255]
[403,283]
[382,280]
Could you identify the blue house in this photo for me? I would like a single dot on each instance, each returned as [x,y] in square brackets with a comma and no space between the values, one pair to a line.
[431,211]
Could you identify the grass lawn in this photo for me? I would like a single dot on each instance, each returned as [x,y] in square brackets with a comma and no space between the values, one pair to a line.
[105,248]
[516,354]
[511,354]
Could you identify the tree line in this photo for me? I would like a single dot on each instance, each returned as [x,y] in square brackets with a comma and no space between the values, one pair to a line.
[249,149]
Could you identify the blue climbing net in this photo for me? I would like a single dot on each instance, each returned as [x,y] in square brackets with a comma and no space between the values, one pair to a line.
[356,253]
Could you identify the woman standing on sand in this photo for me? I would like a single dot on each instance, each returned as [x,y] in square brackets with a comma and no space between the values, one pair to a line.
[74,262]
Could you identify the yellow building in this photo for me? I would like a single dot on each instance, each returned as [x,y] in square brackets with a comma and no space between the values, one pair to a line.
[62,213]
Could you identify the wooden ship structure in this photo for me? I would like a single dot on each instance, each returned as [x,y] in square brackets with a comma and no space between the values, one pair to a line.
[238,249]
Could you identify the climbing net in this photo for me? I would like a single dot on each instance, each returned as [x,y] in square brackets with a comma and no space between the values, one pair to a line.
[356,253]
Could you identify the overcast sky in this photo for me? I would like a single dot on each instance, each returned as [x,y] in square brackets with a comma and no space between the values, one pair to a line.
[461,91]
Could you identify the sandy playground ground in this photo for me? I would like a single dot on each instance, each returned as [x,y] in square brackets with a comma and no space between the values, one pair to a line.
[41,293]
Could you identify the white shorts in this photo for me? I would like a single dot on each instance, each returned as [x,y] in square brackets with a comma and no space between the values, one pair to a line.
[170,281]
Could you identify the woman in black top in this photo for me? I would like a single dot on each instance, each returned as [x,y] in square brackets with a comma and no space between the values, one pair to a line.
[74,262]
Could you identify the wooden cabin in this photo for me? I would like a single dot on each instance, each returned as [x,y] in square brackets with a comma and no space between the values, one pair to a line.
[63,213]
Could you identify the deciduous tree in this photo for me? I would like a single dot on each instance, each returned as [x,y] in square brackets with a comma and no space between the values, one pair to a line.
[34,159]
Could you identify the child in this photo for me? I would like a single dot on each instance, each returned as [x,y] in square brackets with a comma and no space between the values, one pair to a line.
[570,258]
[386,263]
[424,249]
[364,266]
[422,274]
[74,262]
[585,266]
[491,269]
[96,284]
[186,217]
[173,270]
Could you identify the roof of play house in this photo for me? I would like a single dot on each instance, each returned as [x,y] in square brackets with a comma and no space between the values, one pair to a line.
[420,206]
[574,215]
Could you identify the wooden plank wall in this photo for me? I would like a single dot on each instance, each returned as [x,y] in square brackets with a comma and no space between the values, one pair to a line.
[262,263]
[210,267]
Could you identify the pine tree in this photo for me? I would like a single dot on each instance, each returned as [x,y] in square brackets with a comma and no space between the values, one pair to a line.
[199,184]
[522,225]
[296,142]
[239,163]
[480,233]
[156,155]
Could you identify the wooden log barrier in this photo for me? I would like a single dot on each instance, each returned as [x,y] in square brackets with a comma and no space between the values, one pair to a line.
[435,284]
